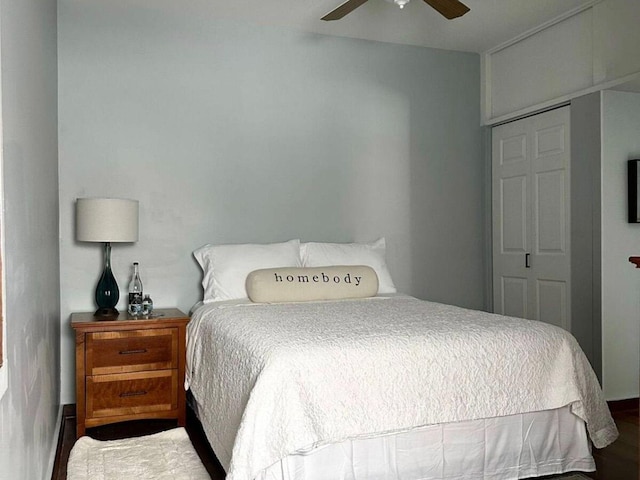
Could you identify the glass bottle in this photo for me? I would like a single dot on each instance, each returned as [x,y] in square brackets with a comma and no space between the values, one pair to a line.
[135,292]
[147,305]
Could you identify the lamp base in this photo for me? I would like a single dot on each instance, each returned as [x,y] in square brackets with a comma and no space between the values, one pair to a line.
[106,312]
[107,293]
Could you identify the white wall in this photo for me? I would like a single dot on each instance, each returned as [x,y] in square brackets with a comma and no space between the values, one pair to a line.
[620,240]
[237,133]
[585,52]
[29,406]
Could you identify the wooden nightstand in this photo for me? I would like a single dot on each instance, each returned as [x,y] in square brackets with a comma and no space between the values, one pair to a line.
[129,368]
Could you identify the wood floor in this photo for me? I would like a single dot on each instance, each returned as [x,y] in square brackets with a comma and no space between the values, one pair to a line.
[618,461]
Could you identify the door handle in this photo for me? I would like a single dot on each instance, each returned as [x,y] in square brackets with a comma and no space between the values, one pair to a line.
[132,352]
[137,393]
[527,257]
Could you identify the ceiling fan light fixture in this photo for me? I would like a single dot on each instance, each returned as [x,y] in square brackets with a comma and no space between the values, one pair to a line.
[400,3]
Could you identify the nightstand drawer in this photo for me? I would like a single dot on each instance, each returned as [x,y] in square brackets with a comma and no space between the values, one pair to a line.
[133,393]
[131,351]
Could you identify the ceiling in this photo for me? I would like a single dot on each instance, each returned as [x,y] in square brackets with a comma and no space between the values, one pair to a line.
[488,24]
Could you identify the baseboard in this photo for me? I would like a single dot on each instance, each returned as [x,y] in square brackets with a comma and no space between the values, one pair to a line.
[624,405]
[54,445]
[67,412]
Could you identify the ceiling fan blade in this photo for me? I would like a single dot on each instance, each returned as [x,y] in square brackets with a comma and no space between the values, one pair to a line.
[347,7]
[449,8]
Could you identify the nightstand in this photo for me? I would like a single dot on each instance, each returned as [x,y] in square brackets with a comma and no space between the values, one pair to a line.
[129,368]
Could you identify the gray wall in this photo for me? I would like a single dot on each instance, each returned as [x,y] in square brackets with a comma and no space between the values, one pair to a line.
[29,406]
[586,194]
[238,133]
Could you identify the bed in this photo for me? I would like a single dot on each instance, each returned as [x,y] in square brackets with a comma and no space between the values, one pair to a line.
[386,386]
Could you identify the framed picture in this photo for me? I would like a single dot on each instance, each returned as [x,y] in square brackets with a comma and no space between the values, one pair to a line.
[633,178]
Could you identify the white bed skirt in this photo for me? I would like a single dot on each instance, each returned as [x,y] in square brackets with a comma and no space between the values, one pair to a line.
[503,448]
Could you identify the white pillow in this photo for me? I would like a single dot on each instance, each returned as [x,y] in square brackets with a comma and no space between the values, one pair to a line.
[272,285]
[226,267]
[370,254]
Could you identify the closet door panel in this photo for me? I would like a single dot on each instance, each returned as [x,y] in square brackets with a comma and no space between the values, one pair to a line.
[551,305]
[513,230]
[515,299]
[550,213]
[511,212]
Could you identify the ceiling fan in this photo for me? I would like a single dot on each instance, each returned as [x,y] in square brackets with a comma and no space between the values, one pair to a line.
[448,8]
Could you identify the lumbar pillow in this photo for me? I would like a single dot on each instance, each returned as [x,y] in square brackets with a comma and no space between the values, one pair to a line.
[316,254]
[273,285]
[225,267]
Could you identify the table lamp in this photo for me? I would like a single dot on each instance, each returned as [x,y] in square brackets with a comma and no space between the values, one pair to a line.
[107,220]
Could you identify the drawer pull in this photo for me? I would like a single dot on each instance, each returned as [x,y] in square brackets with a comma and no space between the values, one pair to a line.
[137,393]
[133,352]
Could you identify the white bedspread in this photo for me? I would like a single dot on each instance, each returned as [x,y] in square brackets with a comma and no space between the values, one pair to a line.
[275,379]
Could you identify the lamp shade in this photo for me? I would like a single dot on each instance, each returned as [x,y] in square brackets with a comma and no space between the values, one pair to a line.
[106,220]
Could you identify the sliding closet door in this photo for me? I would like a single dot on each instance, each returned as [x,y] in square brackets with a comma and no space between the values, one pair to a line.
[531,228]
